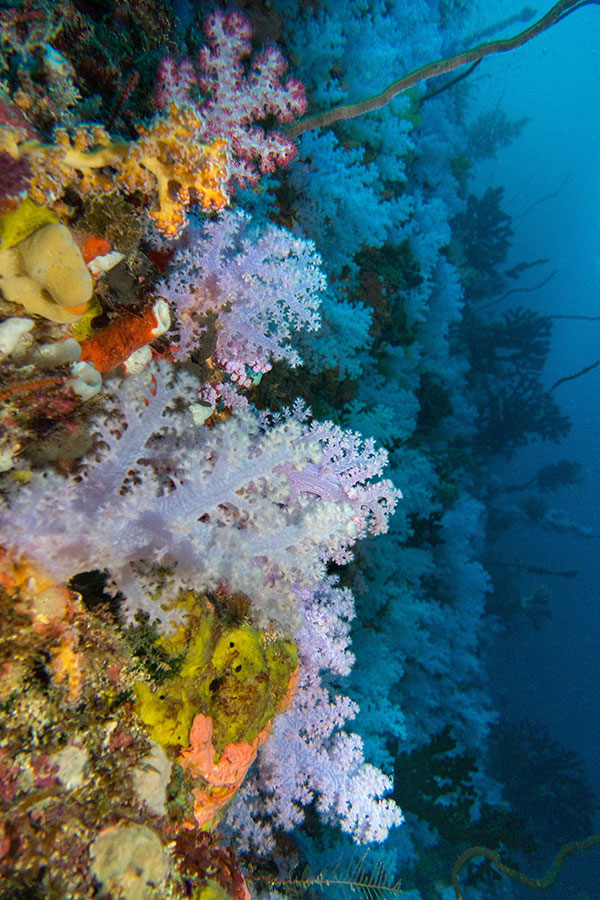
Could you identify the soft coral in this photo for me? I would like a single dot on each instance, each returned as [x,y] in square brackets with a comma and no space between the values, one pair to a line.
[239,93]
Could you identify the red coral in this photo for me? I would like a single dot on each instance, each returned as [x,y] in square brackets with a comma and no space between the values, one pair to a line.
[45,771]
[202,854]
[9,774]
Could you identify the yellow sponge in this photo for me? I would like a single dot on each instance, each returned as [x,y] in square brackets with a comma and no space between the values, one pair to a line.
[47,275]
[52,258]
[19,223]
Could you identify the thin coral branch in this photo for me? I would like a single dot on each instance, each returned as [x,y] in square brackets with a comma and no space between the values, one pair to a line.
[494,858]
[523,290]
[541,200]
[33,385]
[434,93]
[432,70]
[574,375]
[575,316]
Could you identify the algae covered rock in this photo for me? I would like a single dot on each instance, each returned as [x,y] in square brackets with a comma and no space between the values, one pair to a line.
[226,682]
[128,860]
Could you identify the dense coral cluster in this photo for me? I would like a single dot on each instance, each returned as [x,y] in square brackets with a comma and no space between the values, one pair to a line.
[213,528]
[214,541]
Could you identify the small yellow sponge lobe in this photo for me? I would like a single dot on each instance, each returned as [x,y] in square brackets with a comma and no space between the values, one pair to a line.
[52,258]
[19,223]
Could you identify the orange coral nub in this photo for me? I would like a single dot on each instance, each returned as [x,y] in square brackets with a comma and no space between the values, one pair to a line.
[66,665]
[113,345]
[95,246]
[290,693]
[219,780]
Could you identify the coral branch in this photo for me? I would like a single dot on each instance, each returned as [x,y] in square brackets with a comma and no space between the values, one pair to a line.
[574,375]
[494,858]
[432,70]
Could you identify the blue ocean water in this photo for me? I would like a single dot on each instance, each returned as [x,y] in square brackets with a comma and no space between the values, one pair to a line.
[550,674]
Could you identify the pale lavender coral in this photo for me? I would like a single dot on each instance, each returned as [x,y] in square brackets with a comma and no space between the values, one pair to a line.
[325,634]
[308,756]
[346,472]
[262,286]
[213,505]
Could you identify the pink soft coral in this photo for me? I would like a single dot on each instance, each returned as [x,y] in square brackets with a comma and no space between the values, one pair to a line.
[239,93]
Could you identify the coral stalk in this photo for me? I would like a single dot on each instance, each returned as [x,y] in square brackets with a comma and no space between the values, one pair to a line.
[494,858]
[433,69]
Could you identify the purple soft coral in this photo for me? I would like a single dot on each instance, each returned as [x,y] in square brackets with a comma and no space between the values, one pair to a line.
[262,286]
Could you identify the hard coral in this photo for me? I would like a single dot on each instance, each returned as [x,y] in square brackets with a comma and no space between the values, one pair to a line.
[129,860]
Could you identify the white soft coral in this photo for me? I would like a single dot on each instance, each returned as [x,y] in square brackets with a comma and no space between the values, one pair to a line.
[211,506]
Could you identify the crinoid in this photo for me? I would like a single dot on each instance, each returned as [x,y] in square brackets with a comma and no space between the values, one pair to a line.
[370,882]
